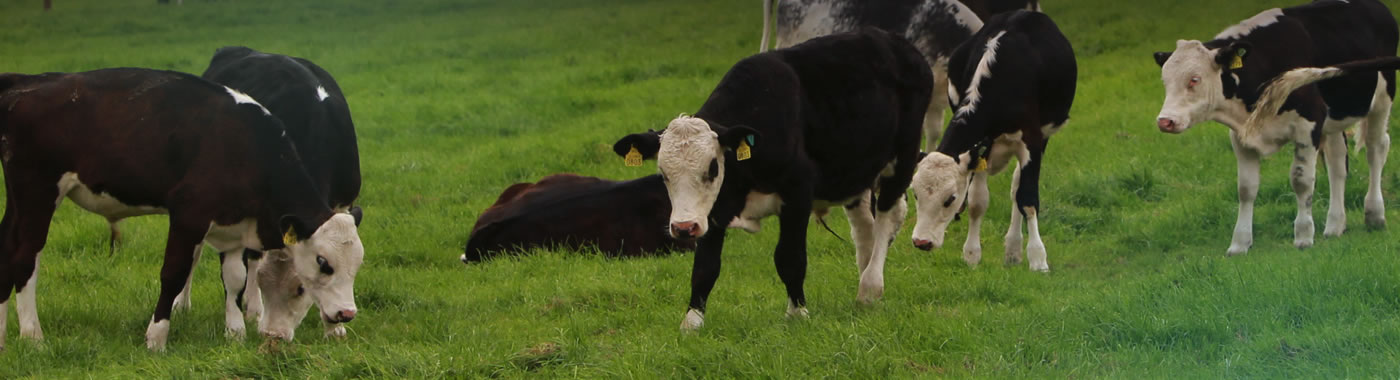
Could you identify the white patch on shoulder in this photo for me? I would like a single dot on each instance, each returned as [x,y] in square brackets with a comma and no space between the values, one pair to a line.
[241,98]
[1263,19]
[321,93]
[984,71]
[99,203]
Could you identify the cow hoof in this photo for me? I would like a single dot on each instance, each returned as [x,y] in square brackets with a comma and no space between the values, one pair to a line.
[1237,249]
[867,295]
[235,333]
[1303,243]
[1334,231]
[693,320]
[254,311]
[156,335]
[35,334]
[972,256]
[799,312]
[336,331]
[1375,220]
[463,258]
[1040,267]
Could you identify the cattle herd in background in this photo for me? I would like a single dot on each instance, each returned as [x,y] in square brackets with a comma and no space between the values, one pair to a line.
[258,157]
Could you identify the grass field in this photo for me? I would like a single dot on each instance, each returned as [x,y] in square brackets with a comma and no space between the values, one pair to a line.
[455,100]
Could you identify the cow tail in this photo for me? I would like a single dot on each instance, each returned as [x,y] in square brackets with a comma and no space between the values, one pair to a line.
[1277,90]
[767,18]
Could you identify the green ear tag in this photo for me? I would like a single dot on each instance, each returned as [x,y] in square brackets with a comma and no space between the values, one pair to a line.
[750,140]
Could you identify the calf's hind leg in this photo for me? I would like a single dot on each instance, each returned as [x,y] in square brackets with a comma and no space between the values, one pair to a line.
[25,227]
[184,237]
[1377,148]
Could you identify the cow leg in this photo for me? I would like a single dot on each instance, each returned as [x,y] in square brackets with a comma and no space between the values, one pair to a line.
[183,239]
[25,227]
[252,294]
[933,117]
[977,199]
[182,301]
[234,276]
[1014,237]
[887,224]
[790,257]
[862,229]
[1334,150]
[1377,137]
[1028,199]
[702,277]
[1303,175]
[1247,166]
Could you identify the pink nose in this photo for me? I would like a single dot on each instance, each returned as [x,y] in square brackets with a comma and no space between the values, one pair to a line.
[344,316]
[1166,125]
[685,230]
[923,244]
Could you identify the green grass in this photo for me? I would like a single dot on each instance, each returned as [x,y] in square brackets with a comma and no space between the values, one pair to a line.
[455,100]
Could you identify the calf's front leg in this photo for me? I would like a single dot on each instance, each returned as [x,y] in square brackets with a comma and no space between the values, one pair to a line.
[1247,165]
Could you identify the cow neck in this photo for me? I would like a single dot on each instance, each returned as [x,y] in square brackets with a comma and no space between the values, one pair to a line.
[964,137]
[288,191]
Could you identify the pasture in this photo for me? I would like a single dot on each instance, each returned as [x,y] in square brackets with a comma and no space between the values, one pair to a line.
[456,99]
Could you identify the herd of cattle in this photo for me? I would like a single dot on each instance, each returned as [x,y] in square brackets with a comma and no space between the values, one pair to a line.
[257,158]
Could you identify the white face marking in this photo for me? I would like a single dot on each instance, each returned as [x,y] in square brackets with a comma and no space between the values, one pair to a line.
[338,242]
[241,98]
[691,162]
[984,71]
[1263,19]
[1193,87]
[321,93]
[940,188]
[99,203]
[285,299]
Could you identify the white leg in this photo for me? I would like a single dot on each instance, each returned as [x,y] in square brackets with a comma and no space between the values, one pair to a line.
[887,224]
[793,311]
[235,278]
[1247,165]
[182,300]
[933,117]
[1013,238]
[1334,150]
[156,335]
[977,199]
[4,322]
[1377,147]
[1035,249]
[862,230]
[252,294]
[695,318]
[27,308]
[1304,176]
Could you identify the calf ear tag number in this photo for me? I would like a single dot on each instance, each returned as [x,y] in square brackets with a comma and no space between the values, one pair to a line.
[633,158]
[743,152]
[1239,60]
[981,165]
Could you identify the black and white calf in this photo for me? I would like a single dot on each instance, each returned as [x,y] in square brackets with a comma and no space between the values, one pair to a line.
[316,116]
[1013,85]
[129,142]
[935,27]
[1223,79]
[833,121]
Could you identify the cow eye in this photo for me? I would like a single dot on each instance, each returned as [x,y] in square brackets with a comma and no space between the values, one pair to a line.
[1194,81]
[325,266]
[714,171]
[301,290]
[949,202]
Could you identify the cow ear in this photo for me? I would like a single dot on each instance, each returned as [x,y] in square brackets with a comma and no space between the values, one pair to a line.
[646,143]
[922,155]
[1233,56]
[358,213]
[1162,57]
[731,137]
[294,229]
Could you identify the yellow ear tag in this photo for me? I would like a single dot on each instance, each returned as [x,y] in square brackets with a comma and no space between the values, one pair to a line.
[290,237]
[981,165]
[633,158]
[743,152]
[1237,63]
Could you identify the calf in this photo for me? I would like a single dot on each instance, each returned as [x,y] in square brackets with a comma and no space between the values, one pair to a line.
[128,142]
[618,218]
[316,116]
[936,27]
[833,121]
[1223,79]
[1014,84]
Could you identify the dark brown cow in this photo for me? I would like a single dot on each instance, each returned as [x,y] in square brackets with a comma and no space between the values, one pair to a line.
[128,142]
[618,218]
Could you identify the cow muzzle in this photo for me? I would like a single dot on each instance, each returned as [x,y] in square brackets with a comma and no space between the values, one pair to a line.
[685,230]
[1169,125]
[342,316]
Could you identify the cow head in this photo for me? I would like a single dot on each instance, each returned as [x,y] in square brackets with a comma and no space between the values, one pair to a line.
[318,269]
[690,155]
[940,189]
[1194,79]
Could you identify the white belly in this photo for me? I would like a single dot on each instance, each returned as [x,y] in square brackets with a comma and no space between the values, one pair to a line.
[99,203]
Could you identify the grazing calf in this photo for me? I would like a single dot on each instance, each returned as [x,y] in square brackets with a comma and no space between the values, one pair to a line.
[1223,79]
[1014,83]
[618,218]
[935,27]
[833,121]
[128,142]
[316,116]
